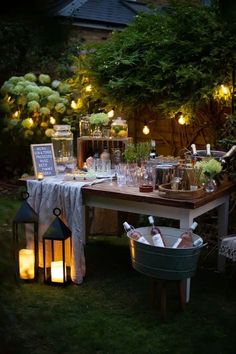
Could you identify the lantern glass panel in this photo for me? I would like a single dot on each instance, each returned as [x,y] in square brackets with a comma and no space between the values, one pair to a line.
[57,258]
[26,251]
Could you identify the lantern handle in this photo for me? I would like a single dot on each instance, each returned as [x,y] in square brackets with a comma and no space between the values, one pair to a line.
[24,195]
[57,211]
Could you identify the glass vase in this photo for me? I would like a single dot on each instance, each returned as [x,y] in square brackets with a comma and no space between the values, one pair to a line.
[210,185]
[97,132]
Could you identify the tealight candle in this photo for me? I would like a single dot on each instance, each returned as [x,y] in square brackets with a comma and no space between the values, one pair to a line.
[57,272]
[40,176]
[26,264]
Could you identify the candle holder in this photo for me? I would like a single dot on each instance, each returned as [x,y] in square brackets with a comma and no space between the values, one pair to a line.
[40,176]
[57,252]
[25,241]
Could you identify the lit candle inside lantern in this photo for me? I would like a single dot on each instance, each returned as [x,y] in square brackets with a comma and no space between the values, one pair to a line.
[57,272]
[40,176]
[26,264]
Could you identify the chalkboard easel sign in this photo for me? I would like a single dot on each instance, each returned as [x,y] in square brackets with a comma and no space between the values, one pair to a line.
[43,159]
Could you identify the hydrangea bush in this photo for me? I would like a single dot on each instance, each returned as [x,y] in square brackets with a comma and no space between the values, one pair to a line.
[29,107]
[32,104]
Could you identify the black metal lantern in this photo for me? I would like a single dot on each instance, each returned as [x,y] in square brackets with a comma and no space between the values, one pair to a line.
[25,241]
[57,252]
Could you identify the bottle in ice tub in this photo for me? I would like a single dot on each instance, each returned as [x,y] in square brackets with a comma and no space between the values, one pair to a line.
[134,234]
[208,150]
[157,237]
[186,238]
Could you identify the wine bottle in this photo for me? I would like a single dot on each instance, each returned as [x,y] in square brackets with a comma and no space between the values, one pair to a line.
[194,154]
[194,150]
[208,150]
[134,234]
[186,238]
[229,153]
[157,237]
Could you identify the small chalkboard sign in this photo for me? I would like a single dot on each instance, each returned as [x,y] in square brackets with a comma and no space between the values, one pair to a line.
[43,159]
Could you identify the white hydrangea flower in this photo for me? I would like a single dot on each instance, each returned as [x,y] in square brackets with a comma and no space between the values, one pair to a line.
[55,84]
[32,96]
[64,88]
[44,79]
[15,79]
[45,111]
[49,132]
[60,108]
[33,106]
[54,98]
[99,118]
[45,91]
[30,77]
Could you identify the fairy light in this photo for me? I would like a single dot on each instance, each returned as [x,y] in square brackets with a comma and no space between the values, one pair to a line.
[16,114]
[73,104]
[52,120]
[88,88]
[111,113]
[31,122]
[181,120]
[225,90]
[146,129]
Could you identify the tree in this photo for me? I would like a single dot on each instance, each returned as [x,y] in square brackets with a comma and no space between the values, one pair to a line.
[169,62]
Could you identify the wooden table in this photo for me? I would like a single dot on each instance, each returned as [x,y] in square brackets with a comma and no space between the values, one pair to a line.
[129,199]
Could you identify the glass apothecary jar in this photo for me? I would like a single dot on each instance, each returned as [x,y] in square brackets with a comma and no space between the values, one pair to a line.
[119,128]
[84,126]
[62,141]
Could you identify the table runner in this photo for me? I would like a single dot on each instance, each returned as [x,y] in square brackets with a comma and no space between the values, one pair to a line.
[54,192]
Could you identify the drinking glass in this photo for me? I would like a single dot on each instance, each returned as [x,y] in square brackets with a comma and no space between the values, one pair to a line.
[71,164]
[121,174]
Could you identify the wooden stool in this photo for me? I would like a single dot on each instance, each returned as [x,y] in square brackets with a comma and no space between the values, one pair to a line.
[163,284]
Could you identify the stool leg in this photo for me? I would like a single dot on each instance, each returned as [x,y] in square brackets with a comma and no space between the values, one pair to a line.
[153,292]
[163,300]
[182,297]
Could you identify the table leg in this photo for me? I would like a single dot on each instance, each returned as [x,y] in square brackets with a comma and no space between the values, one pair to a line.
[185,223]
[223,218]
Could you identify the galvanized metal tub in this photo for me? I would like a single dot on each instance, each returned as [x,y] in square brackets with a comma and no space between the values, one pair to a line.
[215,154]
[164,263]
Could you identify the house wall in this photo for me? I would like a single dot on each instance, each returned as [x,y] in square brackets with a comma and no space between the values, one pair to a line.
[89,35]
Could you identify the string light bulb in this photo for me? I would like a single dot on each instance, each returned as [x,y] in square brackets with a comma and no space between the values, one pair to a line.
[31,122]
[111,113]
[225,90]
[88,88]
[16,114]
[181,120]
[146,129]
[52,120]
[73,104]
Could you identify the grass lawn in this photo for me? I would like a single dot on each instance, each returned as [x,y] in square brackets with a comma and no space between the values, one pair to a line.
[111,311]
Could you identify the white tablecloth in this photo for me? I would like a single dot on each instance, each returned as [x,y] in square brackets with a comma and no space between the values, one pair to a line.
[228,247]
[54,192]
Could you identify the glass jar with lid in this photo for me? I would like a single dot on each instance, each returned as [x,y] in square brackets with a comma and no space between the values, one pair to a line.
[62,141]
[119,128]
[84,126]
